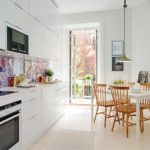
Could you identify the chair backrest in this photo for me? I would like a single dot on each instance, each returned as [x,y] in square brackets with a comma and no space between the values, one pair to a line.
[131,84]
[145,87]
[120,95]
[100,93]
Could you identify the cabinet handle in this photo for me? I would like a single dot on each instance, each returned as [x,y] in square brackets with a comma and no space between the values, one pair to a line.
[30,100]
[33,99]
[32,117]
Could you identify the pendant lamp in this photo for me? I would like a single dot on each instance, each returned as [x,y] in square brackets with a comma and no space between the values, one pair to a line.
[124,58]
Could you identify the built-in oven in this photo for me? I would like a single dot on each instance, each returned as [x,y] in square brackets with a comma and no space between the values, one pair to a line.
[10,125]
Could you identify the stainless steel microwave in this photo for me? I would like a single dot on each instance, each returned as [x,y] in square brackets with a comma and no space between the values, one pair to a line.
[17,41]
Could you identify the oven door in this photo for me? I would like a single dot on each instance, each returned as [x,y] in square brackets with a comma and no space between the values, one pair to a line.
[9,131]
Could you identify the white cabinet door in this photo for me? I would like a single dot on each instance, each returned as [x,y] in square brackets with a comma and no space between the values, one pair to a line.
[31,108]
[16,17]
[26,134]
[53,104]
[40,113]
[31,115]
[23,3]
[31,130]
[49,98]
[2,24]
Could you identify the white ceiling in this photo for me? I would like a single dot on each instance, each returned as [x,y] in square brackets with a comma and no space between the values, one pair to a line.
[80,6]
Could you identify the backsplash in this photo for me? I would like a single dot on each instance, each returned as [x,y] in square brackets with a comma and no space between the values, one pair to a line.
[11,66]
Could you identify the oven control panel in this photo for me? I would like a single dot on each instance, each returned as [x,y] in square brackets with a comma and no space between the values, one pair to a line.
[10,108]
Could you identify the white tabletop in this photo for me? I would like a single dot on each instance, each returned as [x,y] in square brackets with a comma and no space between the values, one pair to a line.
[136,95]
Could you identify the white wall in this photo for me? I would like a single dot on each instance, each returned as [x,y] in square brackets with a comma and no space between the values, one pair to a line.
[111,28]
[140,40]
[43,42]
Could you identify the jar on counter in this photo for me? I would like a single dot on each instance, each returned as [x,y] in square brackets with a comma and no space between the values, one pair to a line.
[10,81]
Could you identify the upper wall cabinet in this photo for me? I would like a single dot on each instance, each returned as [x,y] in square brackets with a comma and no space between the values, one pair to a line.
[46,12]
[39,36]
[43,42]
[23,3]
[43,10]
[37,18]
[2,24]
[15,17]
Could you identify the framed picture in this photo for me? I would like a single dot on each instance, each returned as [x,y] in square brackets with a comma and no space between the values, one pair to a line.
[117,66]
[117,48]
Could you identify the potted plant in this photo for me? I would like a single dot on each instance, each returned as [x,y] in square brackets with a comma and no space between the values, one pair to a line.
[87,87]
[88,78]
[118,82]
[49,74]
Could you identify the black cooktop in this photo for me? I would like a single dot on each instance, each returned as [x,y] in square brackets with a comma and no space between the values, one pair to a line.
[2,93]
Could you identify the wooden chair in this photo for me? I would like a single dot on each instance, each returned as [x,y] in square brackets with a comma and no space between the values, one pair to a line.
[120,94]
[144,104]
[131,85]
[100,95]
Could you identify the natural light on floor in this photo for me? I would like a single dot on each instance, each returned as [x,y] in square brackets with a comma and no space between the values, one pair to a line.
[75,131]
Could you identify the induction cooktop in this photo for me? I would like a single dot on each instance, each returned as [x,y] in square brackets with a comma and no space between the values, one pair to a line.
[2,93]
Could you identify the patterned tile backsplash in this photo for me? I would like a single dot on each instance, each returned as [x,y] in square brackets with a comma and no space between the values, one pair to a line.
[11,66]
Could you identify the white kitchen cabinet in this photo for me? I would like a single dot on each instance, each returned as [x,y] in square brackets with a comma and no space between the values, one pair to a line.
[31,107]
[34,93]
[31,114]
[41,108]
[46,12]
[53,104]
[40,20]
[31,131]
[16,18]
[45,37]
[23,3]
[2,24]
[49,106]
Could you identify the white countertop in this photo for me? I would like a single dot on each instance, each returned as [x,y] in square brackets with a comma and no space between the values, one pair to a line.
[26,89]
[19,92]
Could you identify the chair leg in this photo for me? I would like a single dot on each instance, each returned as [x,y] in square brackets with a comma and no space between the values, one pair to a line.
[141,127]
[96,113]
[127,125]
[123,119]
[110,111]
[114,122]
[105,116]
[118,118]
[142,120]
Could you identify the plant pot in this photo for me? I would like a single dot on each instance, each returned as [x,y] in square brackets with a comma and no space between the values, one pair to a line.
[88,82]
[49,78]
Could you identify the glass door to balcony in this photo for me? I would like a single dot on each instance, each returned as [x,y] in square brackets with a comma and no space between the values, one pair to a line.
[83,48]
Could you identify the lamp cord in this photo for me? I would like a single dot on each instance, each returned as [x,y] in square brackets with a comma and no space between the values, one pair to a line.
[125,6]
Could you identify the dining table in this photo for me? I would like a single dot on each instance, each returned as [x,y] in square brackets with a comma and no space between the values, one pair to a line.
[135,95]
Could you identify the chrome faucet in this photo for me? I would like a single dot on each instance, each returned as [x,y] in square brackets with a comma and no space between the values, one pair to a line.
[34,73]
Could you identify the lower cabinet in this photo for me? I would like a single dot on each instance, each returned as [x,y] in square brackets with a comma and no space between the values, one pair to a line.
[31,115]
[53,107]
[31,131]
[41,111]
